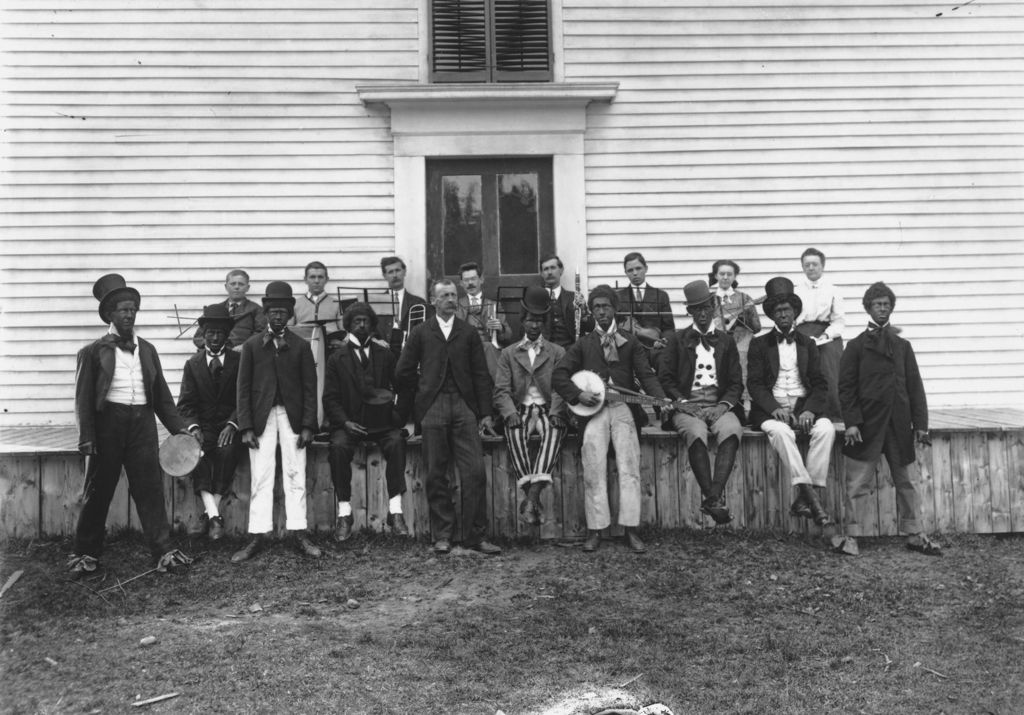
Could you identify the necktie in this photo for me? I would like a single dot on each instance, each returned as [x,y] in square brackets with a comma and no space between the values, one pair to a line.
[216,368]
[785,337]
[362,351]
[639,295]
[279,343]
[551,291]
[233,309]
[611,352]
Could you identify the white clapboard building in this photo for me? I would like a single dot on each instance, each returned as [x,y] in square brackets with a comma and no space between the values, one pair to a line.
[172,140]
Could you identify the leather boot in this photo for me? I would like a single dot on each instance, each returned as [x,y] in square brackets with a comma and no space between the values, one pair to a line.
[343,528]
[305,546]
[799,507]
[636,545]
[593,541]
[249,550]
[724,462]
[810,498]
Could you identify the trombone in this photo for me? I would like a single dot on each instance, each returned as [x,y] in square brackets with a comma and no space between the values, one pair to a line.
[417,314]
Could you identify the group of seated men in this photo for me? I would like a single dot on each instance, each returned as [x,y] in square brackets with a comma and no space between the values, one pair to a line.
[272,376]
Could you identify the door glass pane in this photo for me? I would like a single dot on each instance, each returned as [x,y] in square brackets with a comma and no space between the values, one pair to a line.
[518,227]
[460,220]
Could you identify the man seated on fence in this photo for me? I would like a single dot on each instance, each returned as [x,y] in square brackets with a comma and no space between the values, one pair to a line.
[617,358]
[247,316]
[207,403]
[482,313]
[443,363]
[119,387]
[525,401]
[702,366]
[359,401]
[789,394]
[277,408]
[885,411]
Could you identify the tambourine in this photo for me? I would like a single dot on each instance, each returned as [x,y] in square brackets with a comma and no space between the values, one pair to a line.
[589,381]
[179,455]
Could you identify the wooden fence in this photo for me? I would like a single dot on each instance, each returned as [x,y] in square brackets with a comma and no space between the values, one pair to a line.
[970,480]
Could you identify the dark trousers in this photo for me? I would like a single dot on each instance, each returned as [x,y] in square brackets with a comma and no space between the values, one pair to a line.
[216,470]
[450,430]
[125,436]
[343,448]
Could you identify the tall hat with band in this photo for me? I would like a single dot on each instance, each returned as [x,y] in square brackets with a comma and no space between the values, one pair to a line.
[780,290]
[279,295]
[216,316]
[111,288]
[536,300]
[697,293]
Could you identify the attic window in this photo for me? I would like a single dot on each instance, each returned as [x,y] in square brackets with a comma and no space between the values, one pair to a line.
[490,41]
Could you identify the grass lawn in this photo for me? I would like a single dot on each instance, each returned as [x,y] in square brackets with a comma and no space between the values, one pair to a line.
[711,621]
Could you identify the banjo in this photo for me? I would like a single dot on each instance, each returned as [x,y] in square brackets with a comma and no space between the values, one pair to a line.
[591,382]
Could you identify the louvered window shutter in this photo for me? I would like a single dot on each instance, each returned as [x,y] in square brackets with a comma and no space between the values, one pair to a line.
[490,41]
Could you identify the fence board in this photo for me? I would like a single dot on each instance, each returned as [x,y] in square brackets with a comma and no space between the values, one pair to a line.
[981,499]
[666,483]
[1000,483]
[61,484]
[648,488]
[19,496]
[573,515]
[943,472]
[1015,475]
[963,492]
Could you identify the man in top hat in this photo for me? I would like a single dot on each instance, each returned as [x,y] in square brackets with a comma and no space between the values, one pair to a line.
[618,358]
[885,411]
[119,387]
[482,313]
[247,316]
[277,407]
[702,366]
[317,313]
[392,330]
[789,394]
[560,326]
[443,362]
[524,399]
[207,404]
[359,401]
[646,310]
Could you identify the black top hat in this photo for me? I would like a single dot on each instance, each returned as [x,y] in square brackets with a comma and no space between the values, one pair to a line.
[697,293]
[278,294]
[780,290]
[108,289]
[216,316]
[536,300]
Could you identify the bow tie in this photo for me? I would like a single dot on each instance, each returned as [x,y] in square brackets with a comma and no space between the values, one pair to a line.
[781,337]
[123,343]
[534,344]
[708,340]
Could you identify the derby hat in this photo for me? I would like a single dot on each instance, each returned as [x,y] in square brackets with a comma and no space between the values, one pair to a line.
[216,316]
[536,300]
[697,293]
[781,290]
[279,294]
[108,289]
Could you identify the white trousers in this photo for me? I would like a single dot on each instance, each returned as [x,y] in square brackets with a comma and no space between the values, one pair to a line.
[293,469]
[783,440]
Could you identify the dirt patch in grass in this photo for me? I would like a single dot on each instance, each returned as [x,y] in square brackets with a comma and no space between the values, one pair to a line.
[705,621]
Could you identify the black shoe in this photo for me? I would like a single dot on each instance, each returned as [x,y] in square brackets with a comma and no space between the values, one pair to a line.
[487,548]
[442,546]
[635,544]
[216,528]
[82,566]
[799,508]
[248,551]
[716,509]
[397,524]
[305,546]
[343,528]
[593,541]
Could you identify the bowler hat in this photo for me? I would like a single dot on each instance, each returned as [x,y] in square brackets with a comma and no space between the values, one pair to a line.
[697,293]
[108,289]
[780,290]
[216,316]
[536,300]
[279,294]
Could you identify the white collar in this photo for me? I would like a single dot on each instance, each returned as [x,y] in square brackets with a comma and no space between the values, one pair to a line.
[724,293]
[557,289]
[315,299]
[111,330]
[444,323]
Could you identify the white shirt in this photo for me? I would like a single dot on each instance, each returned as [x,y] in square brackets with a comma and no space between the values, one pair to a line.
[358,347]
[475,300]
[127,386]
[555,293]
[220,356]
[821,302]
[642,288]
[726,295]
[446,327]
[788,383]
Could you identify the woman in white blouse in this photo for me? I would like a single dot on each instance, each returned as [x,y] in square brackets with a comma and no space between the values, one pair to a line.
[823,318]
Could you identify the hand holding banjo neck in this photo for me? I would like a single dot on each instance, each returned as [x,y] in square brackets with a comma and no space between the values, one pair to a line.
[590,381]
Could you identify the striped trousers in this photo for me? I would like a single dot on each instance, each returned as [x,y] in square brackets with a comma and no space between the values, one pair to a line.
[535,420]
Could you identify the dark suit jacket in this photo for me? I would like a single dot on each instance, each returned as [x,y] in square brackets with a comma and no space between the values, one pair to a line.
[763,371]
[248,321]
[678,364]
[94,374]
[587,354]
[263,372]
[879,384]
[427,357]
[201,401]
[655,301]
[343,385]
[385,324]
[478,321]
[564,308]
